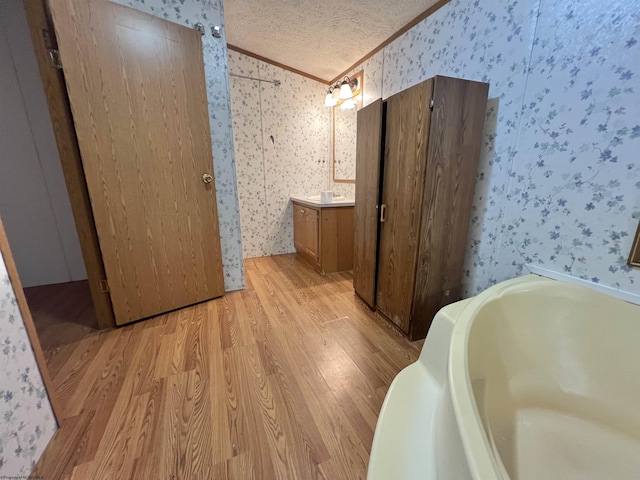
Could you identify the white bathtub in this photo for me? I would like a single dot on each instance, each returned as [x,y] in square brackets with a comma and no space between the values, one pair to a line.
[532,379]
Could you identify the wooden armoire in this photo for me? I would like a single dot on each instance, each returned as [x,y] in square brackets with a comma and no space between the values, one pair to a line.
[416,164]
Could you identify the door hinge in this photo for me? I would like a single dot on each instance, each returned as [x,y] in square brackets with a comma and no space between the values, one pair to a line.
[104,286]
[52,47]
[54,57]
[431,103]
[199,27]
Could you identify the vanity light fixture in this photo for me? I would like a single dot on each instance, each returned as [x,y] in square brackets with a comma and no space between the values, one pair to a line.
[346,90]
[342,91]
[330,100]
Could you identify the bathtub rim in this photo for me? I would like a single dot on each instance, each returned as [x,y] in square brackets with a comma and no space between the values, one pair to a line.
[483,462]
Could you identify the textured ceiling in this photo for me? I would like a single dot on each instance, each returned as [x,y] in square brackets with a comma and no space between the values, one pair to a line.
[319,38]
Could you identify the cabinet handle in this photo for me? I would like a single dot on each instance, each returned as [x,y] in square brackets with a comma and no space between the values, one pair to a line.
[383,213]
[302,210]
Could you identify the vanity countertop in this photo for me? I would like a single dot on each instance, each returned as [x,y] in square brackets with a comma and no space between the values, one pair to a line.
[344,202]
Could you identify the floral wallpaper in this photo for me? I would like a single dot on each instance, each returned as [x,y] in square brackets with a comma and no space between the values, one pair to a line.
[209,13]
[573,201]
[282,141]
[486,41]
[247,141]
[27,422]
[558,184]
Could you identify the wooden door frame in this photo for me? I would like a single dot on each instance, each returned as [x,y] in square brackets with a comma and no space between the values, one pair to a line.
[39,22]
[5,252]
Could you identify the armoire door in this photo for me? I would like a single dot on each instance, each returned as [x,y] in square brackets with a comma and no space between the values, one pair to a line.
[137,92]
[455,139]
[368,156]
[406,137]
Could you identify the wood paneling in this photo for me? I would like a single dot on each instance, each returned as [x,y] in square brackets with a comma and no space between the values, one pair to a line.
[368,169]
[137,91]
[5,251]
[406,138]
[455,138]
[282,380]
[63,128]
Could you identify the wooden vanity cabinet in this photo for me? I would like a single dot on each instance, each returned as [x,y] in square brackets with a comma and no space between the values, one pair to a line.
[323,236]
[306,227]
[416,164]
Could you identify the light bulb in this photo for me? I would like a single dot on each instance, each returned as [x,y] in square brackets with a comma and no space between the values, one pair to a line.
[329,101]
[345,91]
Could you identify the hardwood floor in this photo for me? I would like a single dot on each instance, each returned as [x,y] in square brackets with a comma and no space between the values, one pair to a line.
[282,380]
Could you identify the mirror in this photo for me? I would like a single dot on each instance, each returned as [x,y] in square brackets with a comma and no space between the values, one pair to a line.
[345,122]
[344,144]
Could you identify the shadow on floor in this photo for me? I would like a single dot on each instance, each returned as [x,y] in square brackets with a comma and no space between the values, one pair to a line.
[63,313]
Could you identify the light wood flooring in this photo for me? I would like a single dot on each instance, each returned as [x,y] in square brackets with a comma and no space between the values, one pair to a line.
[282,380]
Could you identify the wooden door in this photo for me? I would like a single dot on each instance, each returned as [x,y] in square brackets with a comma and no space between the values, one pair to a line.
[368,155]
[336,239]
[55,91]
[299,227]
[312,234]
[137,93]
[455,139]
[406,138]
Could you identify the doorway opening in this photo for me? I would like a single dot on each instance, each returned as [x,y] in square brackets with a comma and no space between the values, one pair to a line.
[35,202]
